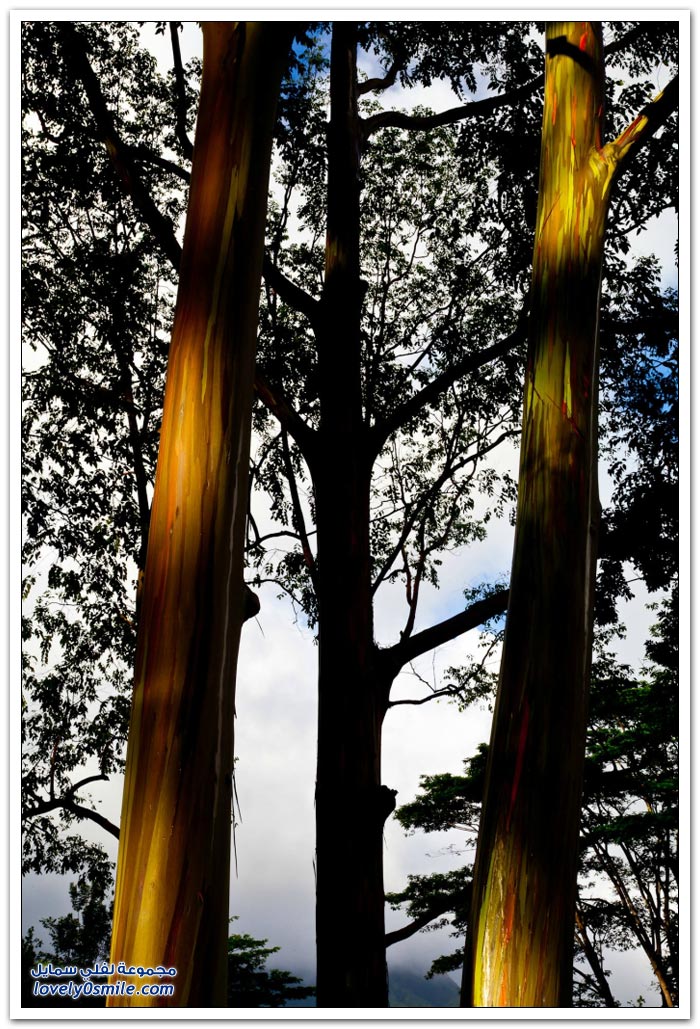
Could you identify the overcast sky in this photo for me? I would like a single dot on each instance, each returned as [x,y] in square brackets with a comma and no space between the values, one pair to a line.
[276,727]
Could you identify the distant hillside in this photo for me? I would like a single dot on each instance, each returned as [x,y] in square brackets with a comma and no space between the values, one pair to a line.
[408,989]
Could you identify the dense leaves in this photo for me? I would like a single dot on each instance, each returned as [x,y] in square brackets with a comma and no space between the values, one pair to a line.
[640,412]
[628,865]
[630,814]
[251,984]
[80,939]
[97,300]
[76,940]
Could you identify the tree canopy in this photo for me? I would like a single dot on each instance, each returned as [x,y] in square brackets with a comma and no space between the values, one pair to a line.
[628,861]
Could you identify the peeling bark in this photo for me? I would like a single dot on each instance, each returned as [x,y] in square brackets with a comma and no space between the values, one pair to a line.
[171,904]
[519,950]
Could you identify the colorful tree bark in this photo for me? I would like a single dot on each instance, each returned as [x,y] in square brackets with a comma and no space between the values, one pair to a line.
[171,905]
[519,950]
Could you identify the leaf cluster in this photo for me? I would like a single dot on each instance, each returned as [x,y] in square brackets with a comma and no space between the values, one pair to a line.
[251,984]
[628,876]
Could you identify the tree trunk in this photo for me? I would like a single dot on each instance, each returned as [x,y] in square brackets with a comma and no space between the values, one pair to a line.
[593,960]
[172,904]
[519,951]
[351,805]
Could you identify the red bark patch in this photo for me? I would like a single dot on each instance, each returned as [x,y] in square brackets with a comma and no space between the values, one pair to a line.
[522,739]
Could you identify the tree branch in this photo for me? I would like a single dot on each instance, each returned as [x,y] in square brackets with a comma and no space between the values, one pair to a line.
[148,156]
[394,658]
[135,442]
[275,401]
[290,293]
[99,777]
[373,85]
[596,967]
[67,803]
[380,431]
[628,144]
[448,691]
[477,108]
[298,514]
[629,37]
[421,505]
[413,927]
[77,61]
[180,96]
[94,816]
[397,119]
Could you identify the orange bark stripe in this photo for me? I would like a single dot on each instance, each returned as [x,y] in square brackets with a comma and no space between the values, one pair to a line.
[503,997]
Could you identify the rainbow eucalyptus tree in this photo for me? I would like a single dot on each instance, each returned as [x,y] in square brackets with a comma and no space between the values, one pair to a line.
[519,947]
[171,902]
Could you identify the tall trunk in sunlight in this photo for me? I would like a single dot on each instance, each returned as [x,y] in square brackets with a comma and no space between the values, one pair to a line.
[172,892]
[519,951]
[351,804]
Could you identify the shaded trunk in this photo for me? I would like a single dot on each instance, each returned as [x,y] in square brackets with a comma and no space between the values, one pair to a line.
[667,988]
[171,903]
[351,805]
[594,961]
[519,951]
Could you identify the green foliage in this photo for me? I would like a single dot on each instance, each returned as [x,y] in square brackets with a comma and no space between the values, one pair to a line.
[434,893]
[628,877]
[251,984]
[75,940]
[640,416]
[428,900]
[431,300]
[80,939]
[97,305]
[447,801]
[629,833]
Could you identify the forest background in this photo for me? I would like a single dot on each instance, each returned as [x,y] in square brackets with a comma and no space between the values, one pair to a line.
[276,706]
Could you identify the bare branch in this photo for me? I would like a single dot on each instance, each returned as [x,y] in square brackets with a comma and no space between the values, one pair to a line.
[286,533]
[415,926]
[101,777]
[67,803]
[277,404]
[394,658]
[122,160]
[94,816]
[422,504]
[477,108]
[380,431]
[629,143]
[135,444]
[298,514]
[448,691]
[292,294]
[373,85]
[180,95]
[148,156]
